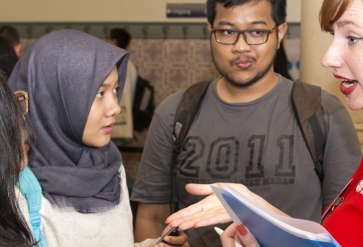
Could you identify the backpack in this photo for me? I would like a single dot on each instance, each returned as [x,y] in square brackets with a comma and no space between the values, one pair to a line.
[306,101]
[30,188]
[143,105]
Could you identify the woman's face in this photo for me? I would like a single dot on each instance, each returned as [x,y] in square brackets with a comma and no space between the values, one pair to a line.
[345,54]
[101,118]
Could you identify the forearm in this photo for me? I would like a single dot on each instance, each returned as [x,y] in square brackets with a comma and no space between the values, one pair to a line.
[150,220]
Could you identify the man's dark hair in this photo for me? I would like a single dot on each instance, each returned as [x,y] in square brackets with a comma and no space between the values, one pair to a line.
[11,34]
[121,36]
[8,58]
[281,62]
[278,8]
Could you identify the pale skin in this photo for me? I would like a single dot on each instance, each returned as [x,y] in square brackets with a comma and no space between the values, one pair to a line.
[344,56]
[103,112]
[98,130]
[210,211]
[231,234]
[256,59]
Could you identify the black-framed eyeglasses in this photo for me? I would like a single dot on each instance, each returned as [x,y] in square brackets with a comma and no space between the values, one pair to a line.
[251,36]
[23,99]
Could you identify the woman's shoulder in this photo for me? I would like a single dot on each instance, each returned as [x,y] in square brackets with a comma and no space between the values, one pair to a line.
[67,227]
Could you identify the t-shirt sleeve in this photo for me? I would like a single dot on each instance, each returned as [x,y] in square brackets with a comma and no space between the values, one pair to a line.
[342,151]
[153,180]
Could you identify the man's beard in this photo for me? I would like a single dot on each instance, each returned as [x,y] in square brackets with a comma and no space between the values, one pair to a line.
[237,84]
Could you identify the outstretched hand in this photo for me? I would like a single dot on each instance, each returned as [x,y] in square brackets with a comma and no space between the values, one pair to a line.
[210,211]
[206,212]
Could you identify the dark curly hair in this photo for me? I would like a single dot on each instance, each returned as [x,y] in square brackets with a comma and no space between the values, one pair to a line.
[278,8]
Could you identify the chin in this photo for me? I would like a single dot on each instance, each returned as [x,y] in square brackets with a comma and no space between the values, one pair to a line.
[354,104]
[98,143]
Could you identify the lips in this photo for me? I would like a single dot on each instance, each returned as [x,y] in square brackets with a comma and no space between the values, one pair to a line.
[347,86]
[244,64]
[108,128]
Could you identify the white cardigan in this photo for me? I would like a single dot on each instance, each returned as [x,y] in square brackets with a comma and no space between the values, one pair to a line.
[63,227]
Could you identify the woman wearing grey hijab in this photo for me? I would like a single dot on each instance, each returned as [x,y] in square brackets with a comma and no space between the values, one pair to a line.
[74,82]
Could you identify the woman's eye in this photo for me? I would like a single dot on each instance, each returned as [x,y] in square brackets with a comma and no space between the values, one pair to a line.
[353,40]
[99,94]
[116,89]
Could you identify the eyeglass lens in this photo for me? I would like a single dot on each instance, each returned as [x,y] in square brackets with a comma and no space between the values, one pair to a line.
[23,101]
[252,37]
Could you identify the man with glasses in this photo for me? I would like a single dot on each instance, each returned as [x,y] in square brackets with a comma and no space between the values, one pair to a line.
[245,130]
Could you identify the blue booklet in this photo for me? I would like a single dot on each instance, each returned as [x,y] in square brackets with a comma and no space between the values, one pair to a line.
[269,228]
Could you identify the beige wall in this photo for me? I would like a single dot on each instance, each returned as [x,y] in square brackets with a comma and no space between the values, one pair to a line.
[87,10]
[103,11]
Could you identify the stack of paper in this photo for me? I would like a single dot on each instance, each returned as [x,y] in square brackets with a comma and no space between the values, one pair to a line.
[271,229]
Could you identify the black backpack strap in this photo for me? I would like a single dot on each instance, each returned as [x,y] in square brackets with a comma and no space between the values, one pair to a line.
[186,111]
[306,99]
[184,116]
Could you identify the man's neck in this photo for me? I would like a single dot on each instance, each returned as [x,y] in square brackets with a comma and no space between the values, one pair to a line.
[233,94]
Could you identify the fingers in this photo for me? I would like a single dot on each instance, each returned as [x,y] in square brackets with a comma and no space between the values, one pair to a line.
[188,211]
[239,234]
[205,218]
[181,240]
[245,237]
[227,237]
[199,189]
[208,211]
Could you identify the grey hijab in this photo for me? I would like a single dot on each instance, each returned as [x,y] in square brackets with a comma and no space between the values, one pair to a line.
[62,72]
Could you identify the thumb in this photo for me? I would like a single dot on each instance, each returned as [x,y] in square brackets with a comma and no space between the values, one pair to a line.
[199,189]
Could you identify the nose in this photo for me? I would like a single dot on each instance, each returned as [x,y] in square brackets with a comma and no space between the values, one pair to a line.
[241,44]
[332,57]
[114,108]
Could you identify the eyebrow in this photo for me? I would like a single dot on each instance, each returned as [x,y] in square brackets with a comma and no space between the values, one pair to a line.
[105,85]
[109,85]
[347,22]
[226,23]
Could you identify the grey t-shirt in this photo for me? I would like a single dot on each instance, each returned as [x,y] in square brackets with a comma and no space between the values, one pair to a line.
[258,144]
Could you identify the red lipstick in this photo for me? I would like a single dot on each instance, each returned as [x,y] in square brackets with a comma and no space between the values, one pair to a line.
[347,86]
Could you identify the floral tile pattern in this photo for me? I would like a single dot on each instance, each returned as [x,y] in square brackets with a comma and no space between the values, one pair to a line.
[172,64]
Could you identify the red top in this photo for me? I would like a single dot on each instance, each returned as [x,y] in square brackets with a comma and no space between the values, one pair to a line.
[344,218]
